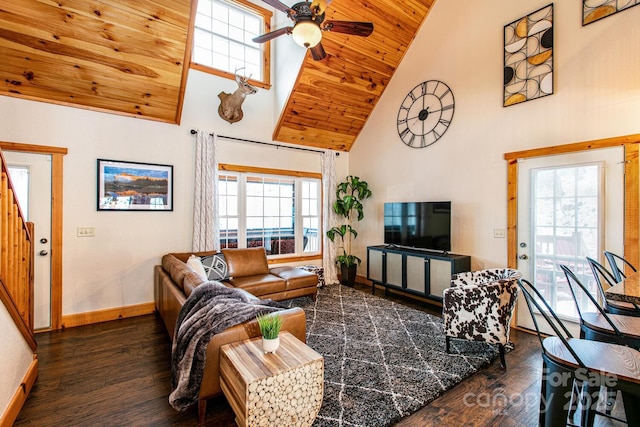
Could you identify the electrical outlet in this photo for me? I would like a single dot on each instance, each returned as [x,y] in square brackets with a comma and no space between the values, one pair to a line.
[86,231]
[499,233]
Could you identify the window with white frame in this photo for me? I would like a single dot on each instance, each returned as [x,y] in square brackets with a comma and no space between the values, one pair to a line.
[222,39]
[278,212]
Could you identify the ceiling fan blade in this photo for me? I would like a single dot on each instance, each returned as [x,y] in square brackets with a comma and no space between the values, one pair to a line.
[272,35]
[276,4]
[317,52]
[362,29]
[320,5]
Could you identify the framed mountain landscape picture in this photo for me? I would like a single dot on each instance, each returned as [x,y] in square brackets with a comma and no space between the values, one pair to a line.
[131,186]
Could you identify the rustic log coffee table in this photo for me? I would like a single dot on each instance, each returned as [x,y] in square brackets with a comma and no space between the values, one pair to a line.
[284,388]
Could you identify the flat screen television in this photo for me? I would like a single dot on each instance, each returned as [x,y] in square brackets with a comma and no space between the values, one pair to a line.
[423,225]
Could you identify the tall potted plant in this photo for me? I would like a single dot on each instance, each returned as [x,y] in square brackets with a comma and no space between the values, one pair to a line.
[348,205]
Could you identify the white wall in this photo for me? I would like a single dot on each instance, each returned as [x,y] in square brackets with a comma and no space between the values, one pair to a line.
[115,268]
[597,95]
[15,360]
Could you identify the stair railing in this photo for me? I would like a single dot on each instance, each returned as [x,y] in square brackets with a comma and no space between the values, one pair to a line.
[16,259]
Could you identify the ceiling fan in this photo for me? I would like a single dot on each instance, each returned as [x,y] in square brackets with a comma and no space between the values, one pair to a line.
[308,24]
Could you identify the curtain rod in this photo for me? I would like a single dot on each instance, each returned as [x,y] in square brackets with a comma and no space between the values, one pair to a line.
[193,132]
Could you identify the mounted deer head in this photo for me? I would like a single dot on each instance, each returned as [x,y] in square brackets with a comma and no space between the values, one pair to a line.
[230,108]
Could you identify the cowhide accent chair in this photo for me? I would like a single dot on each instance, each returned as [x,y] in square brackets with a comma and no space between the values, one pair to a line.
[478,306]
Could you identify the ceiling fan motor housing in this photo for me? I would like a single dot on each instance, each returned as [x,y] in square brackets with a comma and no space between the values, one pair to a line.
[304,12]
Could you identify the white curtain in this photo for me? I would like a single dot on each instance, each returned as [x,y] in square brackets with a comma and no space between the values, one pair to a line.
[329,216]
[205,201]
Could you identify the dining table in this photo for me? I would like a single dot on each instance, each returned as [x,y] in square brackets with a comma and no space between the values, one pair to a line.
[628,290]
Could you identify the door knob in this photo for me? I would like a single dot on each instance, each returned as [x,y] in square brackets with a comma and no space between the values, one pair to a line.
[43,253]
[523,256]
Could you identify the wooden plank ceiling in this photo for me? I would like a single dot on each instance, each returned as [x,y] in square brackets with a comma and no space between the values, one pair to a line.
[118,56]
[333,98]
[128,57]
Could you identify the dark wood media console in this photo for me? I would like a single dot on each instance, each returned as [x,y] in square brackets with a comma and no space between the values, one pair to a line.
[414,271]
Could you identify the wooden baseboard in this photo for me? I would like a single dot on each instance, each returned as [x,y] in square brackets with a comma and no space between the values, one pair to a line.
[20,396]
[90,317]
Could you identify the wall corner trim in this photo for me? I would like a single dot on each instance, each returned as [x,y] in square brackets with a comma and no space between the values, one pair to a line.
[20,396]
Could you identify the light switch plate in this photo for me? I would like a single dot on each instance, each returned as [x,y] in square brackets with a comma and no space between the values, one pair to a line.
[86,231]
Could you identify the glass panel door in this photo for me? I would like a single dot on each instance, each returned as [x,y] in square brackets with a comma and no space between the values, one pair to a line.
[570,206]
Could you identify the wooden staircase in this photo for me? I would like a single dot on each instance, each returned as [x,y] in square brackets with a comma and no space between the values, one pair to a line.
[16,285]
[16,259]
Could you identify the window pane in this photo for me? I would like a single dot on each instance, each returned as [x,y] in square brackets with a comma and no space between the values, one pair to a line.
[203,22]
[234,27]
[220,11]
[254,188]
[220,45]
[566,182]
[237,34]
[201,56]
[286,207]
[254,224]
[270,207]
[286,222]
[252,25]
[202,39]
[286,190]
[255,206]
[271,189]
[220,60]
[232,206]
[204,7]
[236,18]
[251,57]
[220,28]
[20,180]
[314,190]
[271,223]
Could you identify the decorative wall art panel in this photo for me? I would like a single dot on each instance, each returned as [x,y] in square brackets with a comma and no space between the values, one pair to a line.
[593,10]
[528,57]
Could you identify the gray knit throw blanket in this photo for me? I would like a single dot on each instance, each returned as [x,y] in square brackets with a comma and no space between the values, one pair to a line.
[210,309]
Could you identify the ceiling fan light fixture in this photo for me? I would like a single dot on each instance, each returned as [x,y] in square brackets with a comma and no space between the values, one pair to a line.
[307,34]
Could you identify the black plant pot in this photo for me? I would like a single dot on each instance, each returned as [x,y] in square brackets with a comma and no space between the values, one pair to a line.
[348,274]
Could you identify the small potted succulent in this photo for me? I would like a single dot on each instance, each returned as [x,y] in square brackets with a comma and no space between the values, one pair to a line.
[270,324]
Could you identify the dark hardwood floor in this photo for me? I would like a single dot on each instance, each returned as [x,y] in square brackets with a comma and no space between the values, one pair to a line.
[117,374]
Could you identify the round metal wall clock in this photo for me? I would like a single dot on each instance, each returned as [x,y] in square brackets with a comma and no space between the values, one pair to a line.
[425,114]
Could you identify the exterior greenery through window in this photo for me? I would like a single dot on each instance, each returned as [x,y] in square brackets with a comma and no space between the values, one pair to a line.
[279,212]
[222,39]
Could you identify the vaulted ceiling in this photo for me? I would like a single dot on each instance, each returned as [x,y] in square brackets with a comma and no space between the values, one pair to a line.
[333,98]
[122,56]
[131,57]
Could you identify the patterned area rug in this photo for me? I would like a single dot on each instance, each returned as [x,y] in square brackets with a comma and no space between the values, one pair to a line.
[383,361]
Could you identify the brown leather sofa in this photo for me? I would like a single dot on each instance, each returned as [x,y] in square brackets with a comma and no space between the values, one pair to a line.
[174,281]
[249,270]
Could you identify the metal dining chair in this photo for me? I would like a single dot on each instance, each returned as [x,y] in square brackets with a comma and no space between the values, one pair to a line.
[574,369]
[604,280]
[598,325]
[616,269]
